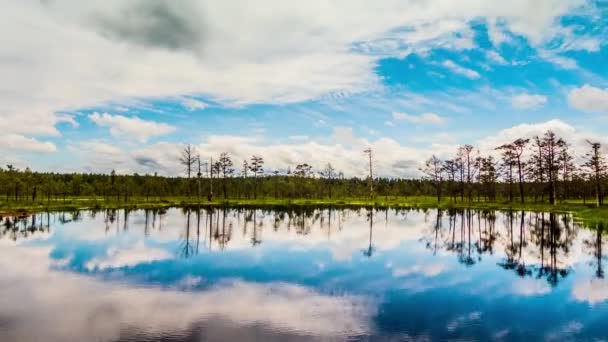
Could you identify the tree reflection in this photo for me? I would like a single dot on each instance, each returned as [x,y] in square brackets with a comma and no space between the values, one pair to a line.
[595,246]
[536,245]
[370,249]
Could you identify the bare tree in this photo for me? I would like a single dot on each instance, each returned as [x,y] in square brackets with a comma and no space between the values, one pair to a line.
[188,159]
[371,172]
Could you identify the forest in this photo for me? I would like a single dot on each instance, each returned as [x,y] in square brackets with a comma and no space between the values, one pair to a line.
[537,170]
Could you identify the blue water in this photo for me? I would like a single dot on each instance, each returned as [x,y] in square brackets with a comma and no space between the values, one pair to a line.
[322,275]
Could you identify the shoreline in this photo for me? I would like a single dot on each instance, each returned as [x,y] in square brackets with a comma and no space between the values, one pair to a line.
[582,212]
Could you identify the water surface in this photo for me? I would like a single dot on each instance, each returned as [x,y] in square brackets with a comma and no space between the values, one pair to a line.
[258,275]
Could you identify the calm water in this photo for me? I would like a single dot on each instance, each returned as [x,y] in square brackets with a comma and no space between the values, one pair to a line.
[241,275]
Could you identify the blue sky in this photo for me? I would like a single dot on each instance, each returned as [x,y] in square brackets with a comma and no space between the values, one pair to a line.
[122,85]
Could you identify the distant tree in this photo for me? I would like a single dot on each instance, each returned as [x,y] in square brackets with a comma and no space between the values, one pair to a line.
[566,169]
[595,163]
[509,161]
[536,166]
[467,156]
[225,167]
[488,176]
[519,147]
[328,173]
[451,169]
[433,168]
[303,170]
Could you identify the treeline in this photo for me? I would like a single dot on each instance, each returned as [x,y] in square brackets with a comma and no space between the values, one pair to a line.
[542,168]
[538,170]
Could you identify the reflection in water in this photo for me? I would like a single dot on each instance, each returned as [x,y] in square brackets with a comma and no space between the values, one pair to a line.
[322,274]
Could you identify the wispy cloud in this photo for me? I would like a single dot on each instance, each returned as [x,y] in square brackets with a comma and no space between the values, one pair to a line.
[460,70]
[428,118]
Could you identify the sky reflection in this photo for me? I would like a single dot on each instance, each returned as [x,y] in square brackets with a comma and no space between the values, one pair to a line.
[318,274]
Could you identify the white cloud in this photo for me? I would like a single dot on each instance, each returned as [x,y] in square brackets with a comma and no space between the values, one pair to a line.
[85,53]
[528,101]
[131,127]
[98,310]
[589,99]
[430,118]
[122,256]
[20,142]
[459,69]
[594,291]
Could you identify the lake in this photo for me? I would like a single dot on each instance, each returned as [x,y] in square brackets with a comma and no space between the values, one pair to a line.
[321,275]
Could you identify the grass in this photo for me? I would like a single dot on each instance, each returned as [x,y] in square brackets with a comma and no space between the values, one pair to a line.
[581,211]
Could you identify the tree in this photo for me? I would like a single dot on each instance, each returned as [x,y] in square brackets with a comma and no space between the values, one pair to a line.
[257,167]
[509,161]
[552,146]
[536,167]
[303,170]
[451,168]
[566,169]
[188,159]
[596,165]
[371,172]
[225,167]
[328,173]
[433,168]
[519,147]
[466,155]
[488,175]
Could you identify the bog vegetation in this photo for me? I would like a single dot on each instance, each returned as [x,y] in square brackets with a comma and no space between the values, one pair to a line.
[538,170]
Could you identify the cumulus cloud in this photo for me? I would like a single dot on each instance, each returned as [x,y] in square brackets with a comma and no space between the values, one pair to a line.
[460,70]
[343,149]
[131,127]
[528,101]
[430,118]
[589,99]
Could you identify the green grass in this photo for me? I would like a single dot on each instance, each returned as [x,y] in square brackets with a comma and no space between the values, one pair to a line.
[581,211]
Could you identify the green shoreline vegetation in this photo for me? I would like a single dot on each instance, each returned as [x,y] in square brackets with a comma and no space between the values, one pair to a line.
[536,174]
[582,212]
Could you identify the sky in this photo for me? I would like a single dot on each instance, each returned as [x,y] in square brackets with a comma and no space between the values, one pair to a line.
[124,84]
